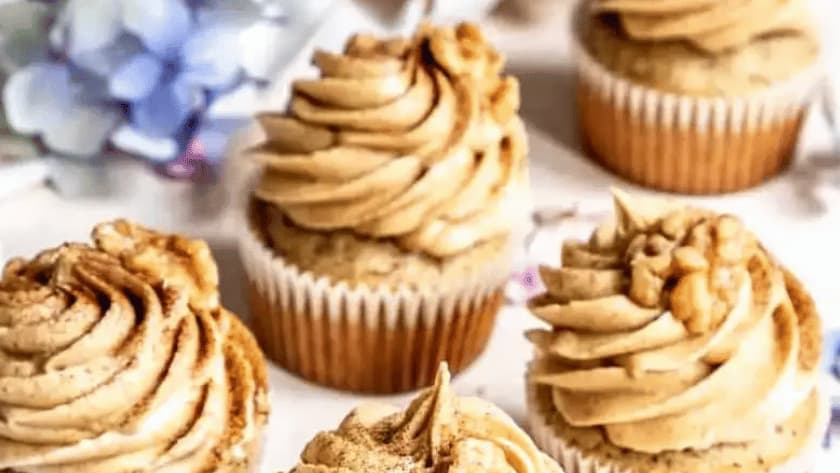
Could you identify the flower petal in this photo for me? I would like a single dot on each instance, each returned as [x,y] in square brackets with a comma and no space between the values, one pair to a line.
[214,136]
[136,78]
[88,87]
[91,24]
[105,60]
[164,111]
[211,57]
[162,25]
[83,130]
[57,35]
[179,169]
[36,96]
[134,141]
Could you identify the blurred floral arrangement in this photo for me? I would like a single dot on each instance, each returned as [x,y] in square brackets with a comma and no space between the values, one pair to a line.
[831,358]
[160,79]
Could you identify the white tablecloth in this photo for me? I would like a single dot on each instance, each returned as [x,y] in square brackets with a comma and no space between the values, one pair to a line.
[796,217]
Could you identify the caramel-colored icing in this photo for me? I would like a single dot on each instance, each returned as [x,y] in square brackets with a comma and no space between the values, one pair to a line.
[438,432]
[710,25]
[416,140]
[117,357]
[672,329]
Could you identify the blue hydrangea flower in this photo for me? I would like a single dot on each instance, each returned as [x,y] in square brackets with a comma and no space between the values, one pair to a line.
[143,76]
[831,361]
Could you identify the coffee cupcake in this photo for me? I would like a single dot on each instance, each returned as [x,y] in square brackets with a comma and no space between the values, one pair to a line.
[437,432]
[695,96]
[379,229]
[677,343]
[117,356]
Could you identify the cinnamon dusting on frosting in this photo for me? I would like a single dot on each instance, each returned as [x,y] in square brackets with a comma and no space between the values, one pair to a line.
[412,139]
[438,432]
[118,357]
[655,322]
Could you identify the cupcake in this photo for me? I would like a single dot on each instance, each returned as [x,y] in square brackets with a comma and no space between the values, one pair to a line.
[117,356]
[677,343]
[695,96]
[438,432]
[379,228]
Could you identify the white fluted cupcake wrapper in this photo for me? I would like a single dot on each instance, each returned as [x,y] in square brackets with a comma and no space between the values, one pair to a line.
[368,339]
[690,144]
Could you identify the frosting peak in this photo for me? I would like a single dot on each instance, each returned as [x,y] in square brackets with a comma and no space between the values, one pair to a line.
[117,357]
[656,315]
[416,140]
[438,432]
[710,25]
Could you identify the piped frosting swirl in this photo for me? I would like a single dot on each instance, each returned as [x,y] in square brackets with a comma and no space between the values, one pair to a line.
[710,25]
[416,140]
[117,357]
[438,432]
[672,328]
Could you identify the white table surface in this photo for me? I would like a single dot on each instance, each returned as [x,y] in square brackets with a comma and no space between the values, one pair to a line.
[796,217]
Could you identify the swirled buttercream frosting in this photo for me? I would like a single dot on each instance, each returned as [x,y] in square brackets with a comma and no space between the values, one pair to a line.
[416,140]
[710,25]
[437,432]
[117,357]
[672,328]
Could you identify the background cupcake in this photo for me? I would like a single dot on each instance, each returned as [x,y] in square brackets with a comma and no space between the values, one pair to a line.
[695,96]
[379,230]
[118,357]
[677,344]
[437,432]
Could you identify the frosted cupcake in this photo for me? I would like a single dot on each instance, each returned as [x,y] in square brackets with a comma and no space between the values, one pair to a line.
[695,96]
[437,432]
[677,343]
[118,357]
[379,231]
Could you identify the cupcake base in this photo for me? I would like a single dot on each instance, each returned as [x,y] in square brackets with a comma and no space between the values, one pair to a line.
[585,450]
[687,160]
[685,143]
[370,357]
[375,338]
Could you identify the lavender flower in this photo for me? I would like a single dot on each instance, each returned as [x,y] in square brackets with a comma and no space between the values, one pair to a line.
[523,285]
[831,352]
[149,77]
[831,361]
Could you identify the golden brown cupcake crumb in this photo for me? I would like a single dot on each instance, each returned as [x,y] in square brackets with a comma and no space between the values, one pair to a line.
[345,256]
[679,67]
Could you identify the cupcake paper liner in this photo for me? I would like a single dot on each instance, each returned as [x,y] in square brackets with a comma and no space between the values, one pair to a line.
[698,145]
[574,460]
[367,339]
